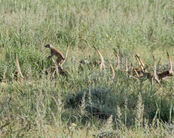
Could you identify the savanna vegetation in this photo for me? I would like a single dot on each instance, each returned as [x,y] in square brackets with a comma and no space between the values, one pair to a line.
[87,103]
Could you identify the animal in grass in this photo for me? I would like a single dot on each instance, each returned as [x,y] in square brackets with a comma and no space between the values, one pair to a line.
[55,52]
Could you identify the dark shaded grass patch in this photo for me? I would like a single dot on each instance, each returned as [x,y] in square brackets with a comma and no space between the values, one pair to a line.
[102,101]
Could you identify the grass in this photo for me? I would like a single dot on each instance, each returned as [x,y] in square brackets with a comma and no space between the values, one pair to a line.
[88,103]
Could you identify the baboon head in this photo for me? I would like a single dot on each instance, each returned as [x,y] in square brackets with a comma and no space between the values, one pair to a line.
[47,45]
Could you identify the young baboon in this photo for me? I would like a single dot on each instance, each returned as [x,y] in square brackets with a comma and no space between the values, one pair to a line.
[18,70]
[102,64]
[54,52]
[168,72]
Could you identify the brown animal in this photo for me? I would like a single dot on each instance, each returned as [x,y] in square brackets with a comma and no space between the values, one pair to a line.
[54,52]
[18,74]
[166,73]
[102,64]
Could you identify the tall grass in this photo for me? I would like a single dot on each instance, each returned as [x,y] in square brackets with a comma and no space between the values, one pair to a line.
[88,102]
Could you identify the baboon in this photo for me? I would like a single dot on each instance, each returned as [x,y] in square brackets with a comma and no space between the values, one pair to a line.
[102,64]
[54,52]
[18,72]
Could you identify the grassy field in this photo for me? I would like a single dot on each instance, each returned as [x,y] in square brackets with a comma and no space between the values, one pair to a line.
[87,103]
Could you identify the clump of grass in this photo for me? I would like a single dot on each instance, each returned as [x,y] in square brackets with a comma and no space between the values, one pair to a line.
[140,111]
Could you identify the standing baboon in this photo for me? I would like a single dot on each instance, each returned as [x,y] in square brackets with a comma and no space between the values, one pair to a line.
[54,52]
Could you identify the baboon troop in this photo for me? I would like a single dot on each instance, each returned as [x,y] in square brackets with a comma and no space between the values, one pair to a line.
[141,71]
[132,72]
